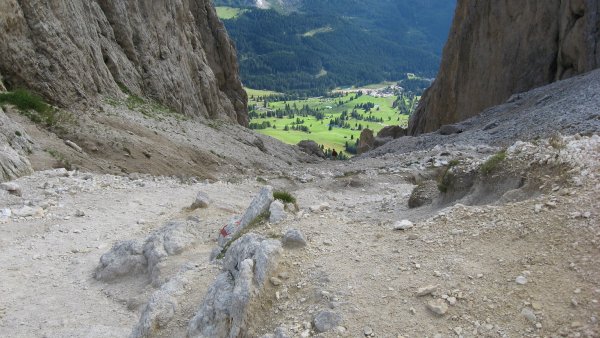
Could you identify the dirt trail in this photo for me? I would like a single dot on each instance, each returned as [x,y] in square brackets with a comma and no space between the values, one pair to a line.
[355,263]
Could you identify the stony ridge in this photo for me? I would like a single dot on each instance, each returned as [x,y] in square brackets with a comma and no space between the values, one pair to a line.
[174,52]
[499,48]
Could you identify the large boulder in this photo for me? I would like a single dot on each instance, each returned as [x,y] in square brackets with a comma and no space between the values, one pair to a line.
[311,148]
[366,141]
[131,256]
[392,131]
[499,48]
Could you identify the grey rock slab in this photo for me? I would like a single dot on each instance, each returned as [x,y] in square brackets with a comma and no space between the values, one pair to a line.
[403,225]
[124,258]
[259,206]
[12,188]
[245,268]
[202,201]
[162,306]
[294,238]
[277,212]
[426,290]
[327,320]
[74,146]
[438,306]
[27,211]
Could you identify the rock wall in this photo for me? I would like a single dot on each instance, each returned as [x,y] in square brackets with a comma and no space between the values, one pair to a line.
[15,144]
[499,48]
[176,52]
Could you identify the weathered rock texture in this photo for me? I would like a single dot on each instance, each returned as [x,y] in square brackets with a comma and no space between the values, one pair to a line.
[131,256]
[175,52]
[366,141]
[499,48]
[246,266]
[14,146]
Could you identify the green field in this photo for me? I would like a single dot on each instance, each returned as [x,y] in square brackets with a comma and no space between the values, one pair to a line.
[228,13]
[257,92]
[331,108]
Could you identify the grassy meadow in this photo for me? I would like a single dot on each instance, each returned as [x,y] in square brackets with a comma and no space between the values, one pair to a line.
[320,132]
[228,13]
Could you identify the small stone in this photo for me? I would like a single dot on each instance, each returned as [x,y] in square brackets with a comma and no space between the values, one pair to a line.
[340,330]
[576,325]
[12,188]
[202,201]
[426,290]
[451,300]
[326,320]
[438,307]
[73,145]
[458,330]
[403,225]
[412,237]
[275,281]
[368,331]
[521,280]
[294,238]
[412,311]
[538,208]
[551,205]
[79,213]
[529,315]
[28,211]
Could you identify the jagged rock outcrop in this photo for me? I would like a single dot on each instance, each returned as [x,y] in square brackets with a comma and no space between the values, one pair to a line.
[2,88]
[14,146]
[246,266]
[132,257]
[499,48]
[366,141]
[175,52]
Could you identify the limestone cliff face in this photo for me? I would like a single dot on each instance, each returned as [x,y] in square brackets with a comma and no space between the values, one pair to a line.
[499,48]
[176,52]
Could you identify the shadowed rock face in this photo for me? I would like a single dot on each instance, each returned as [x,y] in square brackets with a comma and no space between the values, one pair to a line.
[175,52]
[499,48]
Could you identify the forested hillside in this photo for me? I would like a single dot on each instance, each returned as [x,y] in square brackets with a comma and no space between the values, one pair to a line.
[315,45]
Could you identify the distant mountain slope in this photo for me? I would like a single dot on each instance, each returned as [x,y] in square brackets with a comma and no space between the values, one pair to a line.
[313,45]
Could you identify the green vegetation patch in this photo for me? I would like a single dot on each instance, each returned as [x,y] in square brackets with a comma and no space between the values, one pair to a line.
[34,107]
[334,121]
[25,100]
[284,196]
[228,13]
[492,163]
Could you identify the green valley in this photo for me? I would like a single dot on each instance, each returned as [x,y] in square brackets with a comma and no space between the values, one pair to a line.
[334,121]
